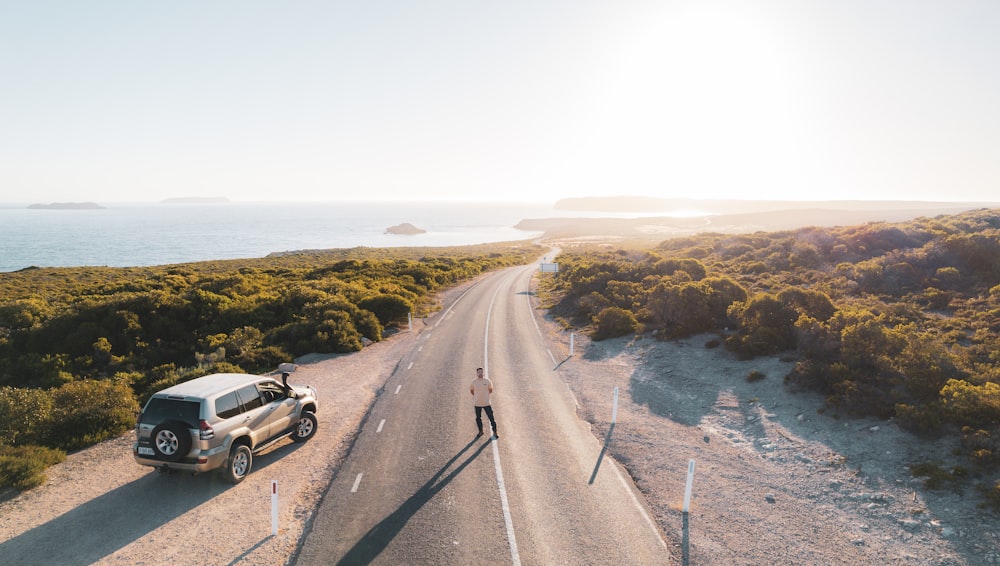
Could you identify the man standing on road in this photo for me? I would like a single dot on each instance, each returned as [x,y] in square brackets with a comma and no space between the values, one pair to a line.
[481,388]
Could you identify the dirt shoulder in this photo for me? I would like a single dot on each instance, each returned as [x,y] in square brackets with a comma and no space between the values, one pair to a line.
[776,481]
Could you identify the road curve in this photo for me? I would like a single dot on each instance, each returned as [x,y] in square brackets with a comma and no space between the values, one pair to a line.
[419,488]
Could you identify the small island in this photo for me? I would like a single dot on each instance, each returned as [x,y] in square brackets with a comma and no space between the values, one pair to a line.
[405,228]
[67,206]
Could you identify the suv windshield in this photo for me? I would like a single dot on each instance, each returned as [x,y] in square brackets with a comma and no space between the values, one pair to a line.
[160,409]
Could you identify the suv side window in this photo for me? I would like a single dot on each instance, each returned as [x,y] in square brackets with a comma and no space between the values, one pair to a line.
[271,391]
[227,406]
[251,399]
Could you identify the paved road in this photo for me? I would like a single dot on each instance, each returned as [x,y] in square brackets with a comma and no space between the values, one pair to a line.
[419,488]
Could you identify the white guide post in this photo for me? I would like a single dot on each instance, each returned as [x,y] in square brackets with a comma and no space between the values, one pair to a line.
[614,408]
[687,490]
[571,336]
[274,507]
[409,321]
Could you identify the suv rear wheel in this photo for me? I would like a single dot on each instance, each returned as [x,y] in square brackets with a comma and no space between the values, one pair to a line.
[171,441]
[239,463]
[305,428]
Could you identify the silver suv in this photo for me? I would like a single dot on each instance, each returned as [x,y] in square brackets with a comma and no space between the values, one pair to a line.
[221,421]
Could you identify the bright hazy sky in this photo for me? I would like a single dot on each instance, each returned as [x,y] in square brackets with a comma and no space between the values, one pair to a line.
[530,100]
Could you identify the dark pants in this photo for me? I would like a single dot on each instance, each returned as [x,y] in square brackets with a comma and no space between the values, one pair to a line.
[489,413]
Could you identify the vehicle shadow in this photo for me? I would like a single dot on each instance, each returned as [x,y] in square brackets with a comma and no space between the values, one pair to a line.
[379,536]
[113,520]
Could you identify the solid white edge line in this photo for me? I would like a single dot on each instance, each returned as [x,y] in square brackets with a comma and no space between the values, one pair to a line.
[527,300]
[638,504]
[451,306]
[635,500]
[507,519]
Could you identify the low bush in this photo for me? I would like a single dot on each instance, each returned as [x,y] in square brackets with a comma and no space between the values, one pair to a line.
[613,322]
[23,467]
[88,412]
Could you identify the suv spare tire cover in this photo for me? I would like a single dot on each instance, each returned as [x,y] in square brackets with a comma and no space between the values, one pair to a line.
[171,440]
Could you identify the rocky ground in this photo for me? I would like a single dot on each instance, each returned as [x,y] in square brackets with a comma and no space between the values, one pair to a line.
[777,480]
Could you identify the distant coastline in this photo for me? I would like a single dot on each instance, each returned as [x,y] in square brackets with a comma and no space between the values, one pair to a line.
[66,206]
[646,205]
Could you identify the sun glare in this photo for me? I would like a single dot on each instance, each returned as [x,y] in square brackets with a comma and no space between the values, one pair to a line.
[704,98]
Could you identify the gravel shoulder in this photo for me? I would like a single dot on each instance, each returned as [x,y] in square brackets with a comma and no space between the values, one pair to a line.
[775,481]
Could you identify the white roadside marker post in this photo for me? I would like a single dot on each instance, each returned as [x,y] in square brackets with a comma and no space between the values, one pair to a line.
[274,507]
[687,490]
[409,321]
[614,408]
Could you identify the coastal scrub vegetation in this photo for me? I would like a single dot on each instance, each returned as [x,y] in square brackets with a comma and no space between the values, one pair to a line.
[81,349]
[896,320]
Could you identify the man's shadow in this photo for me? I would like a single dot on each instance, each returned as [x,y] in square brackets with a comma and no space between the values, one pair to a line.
[379,536]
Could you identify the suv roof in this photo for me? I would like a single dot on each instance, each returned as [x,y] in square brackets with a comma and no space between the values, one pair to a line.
[209,385]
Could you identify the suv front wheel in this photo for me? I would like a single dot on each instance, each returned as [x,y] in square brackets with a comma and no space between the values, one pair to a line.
[239,463]
[305,428]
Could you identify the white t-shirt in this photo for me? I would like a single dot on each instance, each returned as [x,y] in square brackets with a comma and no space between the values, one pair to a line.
[481,387]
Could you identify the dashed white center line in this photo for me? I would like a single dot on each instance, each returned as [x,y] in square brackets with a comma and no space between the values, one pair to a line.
[380,425]
[409,366]
[398,387]
[357,482]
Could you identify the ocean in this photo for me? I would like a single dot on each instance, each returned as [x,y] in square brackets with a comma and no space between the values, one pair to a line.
[127,235]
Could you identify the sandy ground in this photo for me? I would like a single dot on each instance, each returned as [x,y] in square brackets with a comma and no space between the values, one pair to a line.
[775,481]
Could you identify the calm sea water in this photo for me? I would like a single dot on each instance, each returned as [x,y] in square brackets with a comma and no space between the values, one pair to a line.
[123,235]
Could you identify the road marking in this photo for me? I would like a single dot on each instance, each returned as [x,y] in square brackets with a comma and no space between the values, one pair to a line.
[507,519]
[420,349]
[638,505]
[398,387]
[409,366]
[357,482]
[531,312]
[451,306]
[380,425]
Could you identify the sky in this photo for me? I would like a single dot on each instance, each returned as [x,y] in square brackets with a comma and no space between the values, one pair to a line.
[519,101]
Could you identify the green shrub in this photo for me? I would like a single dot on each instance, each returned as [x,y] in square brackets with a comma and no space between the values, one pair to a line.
[23,414]
[991,496]
[88,412]
[755,376]
[387,308]
[920,419]
[24,467]
[613,322]
[936,477]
